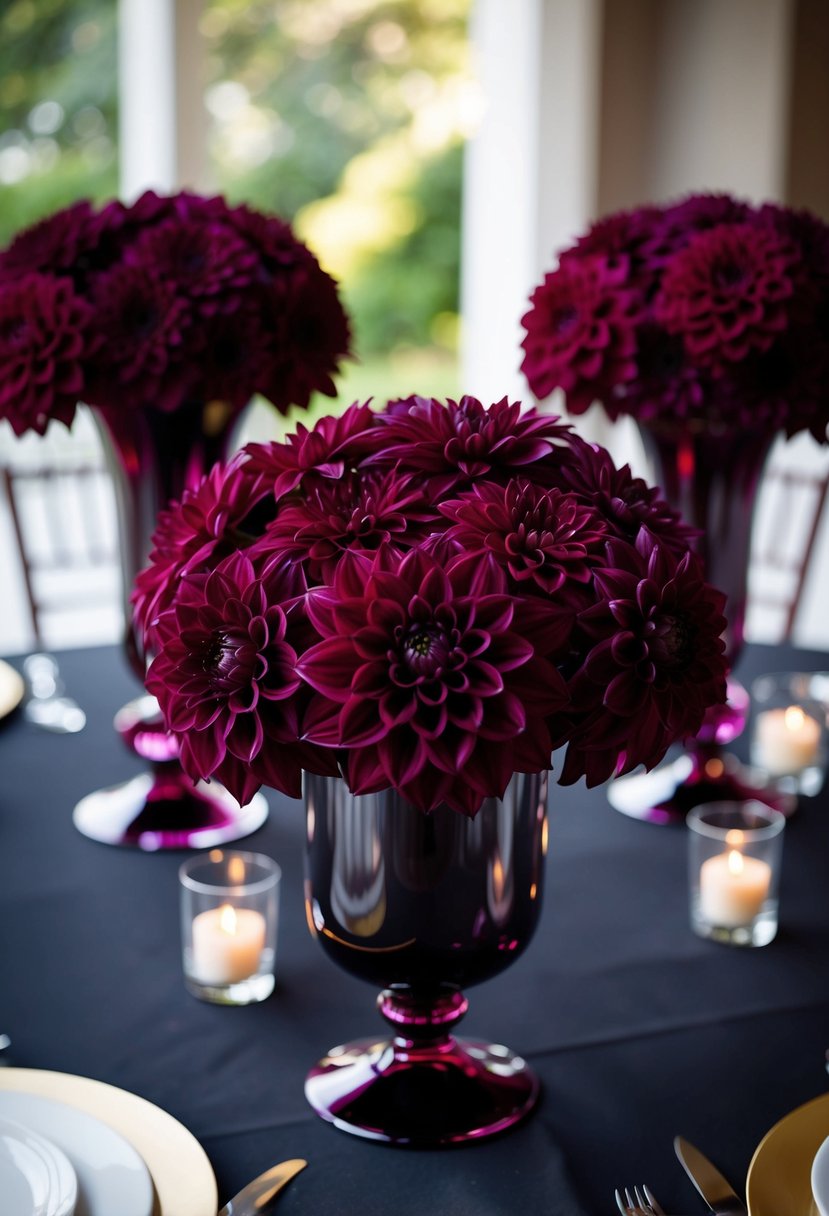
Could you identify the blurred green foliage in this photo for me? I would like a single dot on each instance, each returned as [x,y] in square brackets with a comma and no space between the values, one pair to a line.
[346,117]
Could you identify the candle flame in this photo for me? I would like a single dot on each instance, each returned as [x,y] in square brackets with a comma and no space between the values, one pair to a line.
[227,919]
[794,718]
[734,837]
[736,865]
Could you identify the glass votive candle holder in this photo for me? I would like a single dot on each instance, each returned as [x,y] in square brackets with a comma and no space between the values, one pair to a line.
[734,852]
[788,731]
[229,914]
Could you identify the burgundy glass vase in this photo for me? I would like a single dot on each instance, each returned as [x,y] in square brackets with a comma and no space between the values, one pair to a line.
[712,480]
[154,456]
[423,906]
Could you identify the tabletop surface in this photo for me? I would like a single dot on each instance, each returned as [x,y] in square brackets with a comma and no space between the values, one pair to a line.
[638,1029]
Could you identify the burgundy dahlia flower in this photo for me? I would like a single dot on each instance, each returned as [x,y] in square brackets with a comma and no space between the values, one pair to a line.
[456,443]
[335,443]
[542,537]
[727,293]
[59,245]
[191,536]
[361,511]
[43,341]
[581,331]
[654,660]
[429,678]
[209,263]
[226,678]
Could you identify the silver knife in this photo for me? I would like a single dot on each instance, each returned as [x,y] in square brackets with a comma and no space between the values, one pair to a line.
[715,1190]
[257,1195]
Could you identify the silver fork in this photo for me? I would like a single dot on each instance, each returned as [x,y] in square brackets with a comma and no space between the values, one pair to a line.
[639,1203]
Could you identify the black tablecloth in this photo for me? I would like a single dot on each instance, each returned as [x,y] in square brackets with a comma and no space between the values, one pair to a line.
[638,1029]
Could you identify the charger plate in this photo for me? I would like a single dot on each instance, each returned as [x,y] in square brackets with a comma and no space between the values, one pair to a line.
[779,1177]
[11,688]
[182,1176]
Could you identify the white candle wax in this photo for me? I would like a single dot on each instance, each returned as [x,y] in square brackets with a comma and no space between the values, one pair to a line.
[786,740]
[227,944]
[732,888]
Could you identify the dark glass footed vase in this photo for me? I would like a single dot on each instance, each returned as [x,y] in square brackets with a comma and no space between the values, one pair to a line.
[423,906]
[712,480]
[153,457]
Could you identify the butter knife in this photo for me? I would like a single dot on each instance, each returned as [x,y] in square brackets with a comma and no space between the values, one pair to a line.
[257,1195]
[715,1190]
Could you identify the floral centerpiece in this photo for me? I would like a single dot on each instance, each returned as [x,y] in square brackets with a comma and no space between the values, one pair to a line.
[165,317]
[427,598]
[707,321]
[160,304]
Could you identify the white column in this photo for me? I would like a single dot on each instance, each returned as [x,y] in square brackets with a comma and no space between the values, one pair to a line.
[162,125]
[530,171]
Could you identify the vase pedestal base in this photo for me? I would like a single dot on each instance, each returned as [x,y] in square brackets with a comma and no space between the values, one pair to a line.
[151,813]
[454,1092]
[668,793]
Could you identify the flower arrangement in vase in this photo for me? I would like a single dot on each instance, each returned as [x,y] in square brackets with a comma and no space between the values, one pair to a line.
[165,317]
[707,322]
[413,607]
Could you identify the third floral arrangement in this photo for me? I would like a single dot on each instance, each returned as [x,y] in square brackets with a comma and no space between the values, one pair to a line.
[708,313]
[428,598]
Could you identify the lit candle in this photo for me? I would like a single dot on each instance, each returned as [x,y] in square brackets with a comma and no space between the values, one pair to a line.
[733,888]
[786,740]
[227,944]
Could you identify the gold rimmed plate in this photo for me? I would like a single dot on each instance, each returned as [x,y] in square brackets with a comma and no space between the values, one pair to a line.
[779,1177]
[11,688]
[182,1176]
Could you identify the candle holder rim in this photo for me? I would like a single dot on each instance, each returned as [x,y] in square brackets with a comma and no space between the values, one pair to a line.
[775,820]
[773,681]
[270,879]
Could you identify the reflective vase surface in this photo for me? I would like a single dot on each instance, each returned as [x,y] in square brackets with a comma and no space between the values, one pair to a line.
[153,457]
[712,480]
[423,906]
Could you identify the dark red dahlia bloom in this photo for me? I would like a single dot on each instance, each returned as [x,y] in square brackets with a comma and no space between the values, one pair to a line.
[311,333]
[728,293]
[542,537]
[208,261]
[654,660]
[632,242]
[278,249]
[457,443]
[58,245]
[141,322]
[191,536]
[362,511]
[625,503]
[429,678]
[43,344]
[226,678]
[334,444]
[580,332]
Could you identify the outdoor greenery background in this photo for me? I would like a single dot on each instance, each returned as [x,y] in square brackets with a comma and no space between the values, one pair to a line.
[346,117]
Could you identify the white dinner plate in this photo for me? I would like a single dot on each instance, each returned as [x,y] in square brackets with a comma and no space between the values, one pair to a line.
[36,1178]
[112,1178]
[820,1178]
[179,1167]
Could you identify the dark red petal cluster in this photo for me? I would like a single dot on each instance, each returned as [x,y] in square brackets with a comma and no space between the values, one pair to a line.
[726,293]
[541,537]
[58,245]
[43,342]
[335,443]
[654,660]
[361,511]
[430,679]
[190,536]
[457,443]
[226,676]
[580,331]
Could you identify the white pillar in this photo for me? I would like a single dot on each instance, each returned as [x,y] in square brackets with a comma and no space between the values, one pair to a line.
[162,123]
[530,171]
